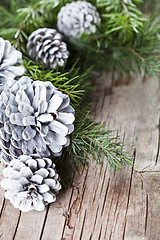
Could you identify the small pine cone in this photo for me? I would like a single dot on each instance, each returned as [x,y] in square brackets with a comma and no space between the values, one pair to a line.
[45,45]
[9,56]
[34,118]
[31,182]
[76,18]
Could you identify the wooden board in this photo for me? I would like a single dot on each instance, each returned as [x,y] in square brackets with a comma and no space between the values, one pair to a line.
[103,205]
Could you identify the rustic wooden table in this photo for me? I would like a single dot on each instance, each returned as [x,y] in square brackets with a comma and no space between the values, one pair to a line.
[103,205]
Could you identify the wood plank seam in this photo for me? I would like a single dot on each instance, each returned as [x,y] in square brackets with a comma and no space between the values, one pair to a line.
[129,193]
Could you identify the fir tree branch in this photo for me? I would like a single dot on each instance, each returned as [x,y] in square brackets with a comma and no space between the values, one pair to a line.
[123,26]
[142,59]
[62,90]
[17,36]
[103,148]
[113,39]
[124,7]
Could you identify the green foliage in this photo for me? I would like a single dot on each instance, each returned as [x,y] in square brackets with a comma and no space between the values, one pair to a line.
[117,42]
[68,82]
[96,141]
[89,140]
[126,40]
[121,18]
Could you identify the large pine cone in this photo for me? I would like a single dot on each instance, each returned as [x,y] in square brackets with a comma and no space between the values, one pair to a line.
[45,45]
[78,17]
[31,182]
[34,118]
[9,56]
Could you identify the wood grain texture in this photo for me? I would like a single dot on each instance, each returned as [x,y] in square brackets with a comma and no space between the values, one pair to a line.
[103,205]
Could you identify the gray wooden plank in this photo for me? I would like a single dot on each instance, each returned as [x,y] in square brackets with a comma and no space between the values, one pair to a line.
[103,205]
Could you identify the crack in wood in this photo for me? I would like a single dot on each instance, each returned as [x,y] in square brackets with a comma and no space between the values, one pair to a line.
[100,233]
[110,207]
[3,207]
[142,186]
[95,192]
[124,230]
[104,178]
[140,174]
[67,213]
[110,235]
[146,215]
[105,197]
[44,222]
[70,200]
[19,217]
[95,221]
[116,207]
[149,171]
[95,218]
[107,91]
[129,193]
[83,225]
[71,209]
[157,156]
[83,191]
[116,217]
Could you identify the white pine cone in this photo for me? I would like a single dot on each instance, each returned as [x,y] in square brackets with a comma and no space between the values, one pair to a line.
[45,45]
[34,118]
[9,56]
[31,182]
[76,18]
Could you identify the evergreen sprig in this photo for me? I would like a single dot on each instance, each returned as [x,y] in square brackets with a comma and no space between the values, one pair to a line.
[74,86]
[89,139]
[97,141]
[126,40]
[122,18]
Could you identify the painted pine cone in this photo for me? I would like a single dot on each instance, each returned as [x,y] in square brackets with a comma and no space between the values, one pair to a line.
[76,18]
[34,118]
[9,56]
[31,182]
[46,46]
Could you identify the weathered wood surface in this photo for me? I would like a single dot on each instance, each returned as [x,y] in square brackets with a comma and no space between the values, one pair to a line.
[103,205]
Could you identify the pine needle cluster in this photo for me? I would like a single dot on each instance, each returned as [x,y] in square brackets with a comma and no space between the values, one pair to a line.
[127,41]
[90,140]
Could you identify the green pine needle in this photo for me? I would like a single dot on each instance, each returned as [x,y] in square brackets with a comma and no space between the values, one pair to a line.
[124,41]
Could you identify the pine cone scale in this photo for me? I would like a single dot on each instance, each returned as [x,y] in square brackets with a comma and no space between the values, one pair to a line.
[58,127]
[9,56]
